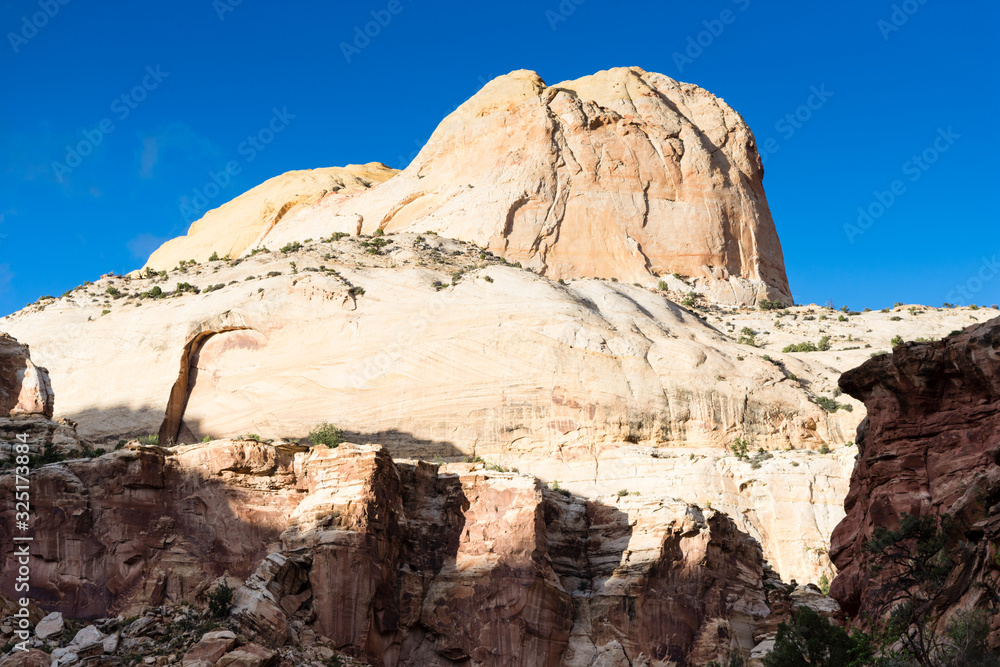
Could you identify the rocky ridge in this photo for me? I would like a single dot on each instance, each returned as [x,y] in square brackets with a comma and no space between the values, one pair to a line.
[397,563]
[928,448]
[624,174]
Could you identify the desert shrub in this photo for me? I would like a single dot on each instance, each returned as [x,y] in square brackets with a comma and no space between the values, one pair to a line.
[809,639]
[187,287]
[220,600]
[764,304]
[214,257]
[824,344]
[293,246]
[662,286]
[326,434]
[897,341]
[740,447]
[800,347]
[149,439]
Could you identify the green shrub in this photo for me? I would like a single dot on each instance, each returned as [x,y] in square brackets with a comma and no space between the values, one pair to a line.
[214,257]
[113,291]
[842,318]
[824,344]
[740,447]
[800,347]
[764,304]
[326,434]
[187,287]
[810,639]
[662,286]
[220,600]
[897,341]
[293,246]
[150,439]
[827,403]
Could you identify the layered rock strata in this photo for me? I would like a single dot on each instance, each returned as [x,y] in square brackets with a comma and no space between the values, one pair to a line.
[930,446]
[402,564]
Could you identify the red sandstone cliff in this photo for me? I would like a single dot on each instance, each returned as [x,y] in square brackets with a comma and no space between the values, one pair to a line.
[929,446]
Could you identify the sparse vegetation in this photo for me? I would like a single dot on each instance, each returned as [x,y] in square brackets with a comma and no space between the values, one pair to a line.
[800,347]
[293,246]
[220,600]
[150,439]
[326,434]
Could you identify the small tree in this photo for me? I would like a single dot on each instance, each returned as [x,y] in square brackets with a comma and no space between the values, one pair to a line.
[810,639]
[326,434]
[220,600]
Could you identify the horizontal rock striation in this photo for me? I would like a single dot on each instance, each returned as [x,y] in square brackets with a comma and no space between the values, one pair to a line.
[404,563]
[930,446]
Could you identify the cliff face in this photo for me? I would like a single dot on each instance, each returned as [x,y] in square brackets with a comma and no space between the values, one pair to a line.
[625,173]
[403,563]
[593,383]
[24,388]
[930,446]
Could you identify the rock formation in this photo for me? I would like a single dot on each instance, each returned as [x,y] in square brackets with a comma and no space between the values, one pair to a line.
[930,446]
[405,563]
[231,228]
[626,174]
[24,388]
[586,382]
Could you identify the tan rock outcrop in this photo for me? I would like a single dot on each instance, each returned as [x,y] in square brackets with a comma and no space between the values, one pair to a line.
[626,174]
[24,387]
[580,382]
[231,228]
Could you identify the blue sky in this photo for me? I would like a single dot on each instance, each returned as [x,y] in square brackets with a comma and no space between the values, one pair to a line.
[199,77]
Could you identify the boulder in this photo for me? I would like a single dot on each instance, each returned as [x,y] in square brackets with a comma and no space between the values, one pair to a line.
[50,626]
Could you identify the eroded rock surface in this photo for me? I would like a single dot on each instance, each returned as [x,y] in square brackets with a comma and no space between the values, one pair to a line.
[625,173]
[231,228]
[24,387]
[405,563]
[929,446]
